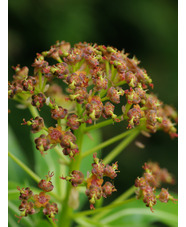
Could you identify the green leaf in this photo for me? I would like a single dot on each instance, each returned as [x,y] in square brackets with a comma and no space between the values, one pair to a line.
[14,171]
[136,214]
[90,140]
[44,223]
[13,210]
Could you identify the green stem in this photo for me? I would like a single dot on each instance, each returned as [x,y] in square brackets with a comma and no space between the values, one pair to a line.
[121,83]
[106,143]
[66,214]
[102,209]
[105,98]
[107,68]
[122,197]
[30,172]
[63,157]
[100,125]
[44,84]
[40,79]
[126,194]
[113,73]
[24,167]
[33,110]
[116,151]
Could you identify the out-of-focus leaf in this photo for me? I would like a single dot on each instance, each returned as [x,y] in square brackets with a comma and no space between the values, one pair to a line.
[12,222]
[90,140]
[13,210]
[43,223]
[14,171]
[13,193]
[136,214]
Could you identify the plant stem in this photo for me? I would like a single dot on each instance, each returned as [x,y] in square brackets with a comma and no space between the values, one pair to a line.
[44,84]
[106,143]
[40,80]
[122,197]
[100,125]
[121,146]
[33,175]
[24,167]
[102,209]
[59,152]
[33,110]
[65,217]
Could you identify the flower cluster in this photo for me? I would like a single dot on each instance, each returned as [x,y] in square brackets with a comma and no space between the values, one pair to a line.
[152,178]
[95,185]
[31,202]
[96,79]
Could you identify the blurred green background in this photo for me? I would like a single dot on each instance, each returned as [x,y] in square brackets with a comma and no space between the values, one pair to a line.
[146,29]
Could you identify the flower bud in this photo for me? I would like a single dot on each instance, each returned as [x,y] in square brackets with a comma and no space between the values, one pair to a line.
[25,194]
[42,143]
[41,200]
[94,107]
[50,210]
[73,122]
[46,185]
[114,94]
[38,100]
[58,113]
[107,189]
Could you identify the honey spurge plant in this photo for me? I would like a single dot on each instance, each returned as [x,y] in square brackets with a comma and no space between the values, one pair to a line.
[95,79]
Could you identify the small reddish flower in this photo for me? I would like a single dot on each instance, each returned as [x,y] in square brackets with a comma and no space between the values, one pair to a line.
[149,197]
[132,96]
[107,189]
[73,121]
[164,196]
[46,185]
[80,95]
[38,100]
[70,152]
[55,134]
[94,107]
[111,171]
[76,178]
[94,180]
[58,113]
[37,124]
[25,194]
[29,84]
[41,200]
[20,73]
[114,94]
[131,79]
[98,167]
[68,140]
[51,210]
[39,62]
[108,110]
[77,79]
[94,193]
[42,143]
[134,114]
